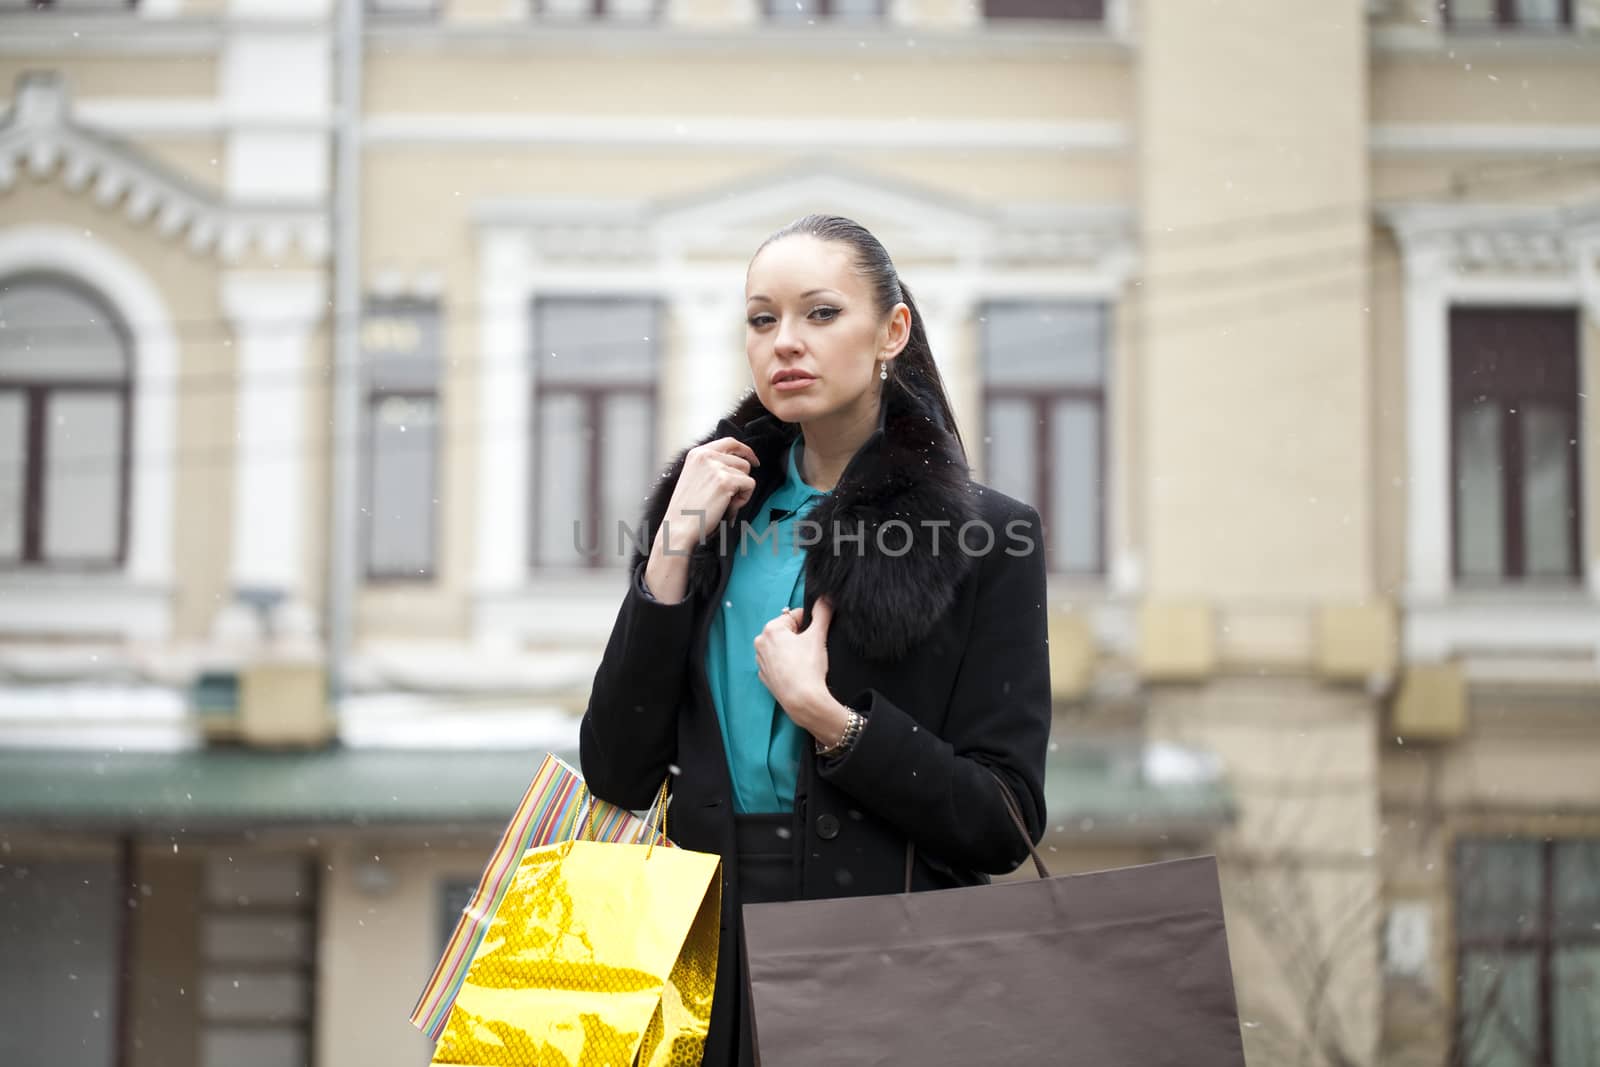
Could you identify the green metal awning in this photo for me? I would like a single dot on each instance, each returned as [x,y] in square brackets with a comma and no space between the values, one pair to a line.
[258,787]
[1089,789]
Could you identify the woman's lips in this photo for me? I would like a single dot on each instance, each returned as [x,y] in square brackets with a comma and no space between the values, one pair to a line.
[788,385]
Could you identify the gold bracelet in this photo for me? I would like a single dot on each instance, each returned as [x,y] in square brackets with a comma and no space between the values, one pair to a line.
[852,730]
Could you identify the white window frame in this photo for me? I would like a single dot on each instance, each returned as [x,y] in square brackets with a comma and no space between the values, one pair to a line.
[1440,620]
[135,601]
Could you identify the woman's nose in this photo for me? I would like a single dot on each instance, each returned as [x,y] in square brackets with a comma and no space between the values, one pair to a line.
[787,340]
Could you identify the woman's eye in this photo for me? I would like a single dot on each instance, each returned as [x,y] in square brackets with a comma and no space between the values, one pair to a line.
[825,313]
[759,321]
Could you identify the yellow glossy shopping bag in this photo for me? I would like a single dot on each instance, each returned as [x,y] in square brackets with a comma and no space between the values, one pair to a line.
[599,954]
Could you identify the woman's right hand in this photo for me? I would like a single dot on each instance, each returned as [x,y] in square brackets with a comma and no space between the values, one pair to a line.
[715,481]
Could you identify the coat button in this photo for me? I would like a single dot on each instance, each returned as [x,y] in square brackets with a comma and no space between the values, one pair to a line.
[827,827]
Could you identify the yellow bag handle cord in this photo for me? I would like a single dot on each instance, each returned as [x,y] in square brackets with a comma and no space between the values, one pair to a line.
[658,816]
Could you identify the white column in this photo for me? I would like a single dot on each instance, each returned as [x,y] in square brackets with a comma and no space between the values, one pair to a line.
[1428,502]
[273,314]
[505,448]
[276,70]
[711,371]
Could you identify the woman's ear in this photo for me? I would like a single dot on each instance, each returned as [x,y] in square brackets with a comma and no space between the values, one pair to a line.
[897,333]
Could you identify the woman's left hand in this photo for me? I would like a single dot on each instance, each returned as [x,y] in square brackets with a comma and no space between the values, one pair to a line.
[793,665]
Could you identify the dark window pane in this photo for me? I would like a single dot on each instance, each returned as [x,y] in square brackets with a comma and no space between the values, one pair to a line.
[1501,888]
[454,896]
[1009,449]
[1480,503]
[1577,889]
[1514,388]
[58,923]
[594,372]
[402,354]
[404,460]
[1036,345]
[627,465]
[1499,1008]
[793,10]
[1075,466]
[13,471]
[400,343]
[1086,10]
[1470,12]
[1540,12]
[562,512]
[594,341]
[82,476]
[57,332]
[860,10]
[1549,452]
[1575,1014]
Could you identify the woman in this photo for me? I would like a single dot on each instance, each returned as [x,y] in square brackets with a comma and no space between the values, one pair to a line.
[836,640]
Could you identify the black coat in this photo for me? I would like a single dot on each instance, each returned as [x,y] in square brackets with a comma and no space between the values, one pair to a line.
[943,648]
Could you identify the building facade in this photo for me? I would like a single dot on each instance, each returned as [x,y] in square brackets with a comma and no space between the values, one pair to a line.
[338,348]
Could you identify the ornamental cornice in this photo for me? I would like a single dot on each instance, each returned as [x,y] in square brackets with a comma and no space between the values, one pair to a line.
[39,137]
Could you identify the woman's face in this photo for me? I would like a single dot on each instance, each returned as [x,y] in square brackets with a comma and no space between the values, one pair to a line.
[813,334]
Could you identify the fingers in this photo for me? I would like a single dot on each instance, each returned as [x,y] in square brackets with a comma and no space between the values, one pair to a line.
[732,446]
[821,615]
[744,489]
[730,460]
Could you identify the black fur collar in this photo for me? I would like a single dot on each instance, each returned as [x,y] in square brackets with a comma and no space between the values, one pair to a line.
[910,468]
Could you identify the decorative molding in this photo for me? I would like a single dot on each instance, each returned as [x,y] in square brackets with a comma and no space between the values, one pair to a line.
[1456,254]
[728,222]
[1435,631]
[1087,137]
[1043,38]
[40,135]
[38,35]
[148,573]
[1433,42]
[84,606]
[101,716]
[1513,139]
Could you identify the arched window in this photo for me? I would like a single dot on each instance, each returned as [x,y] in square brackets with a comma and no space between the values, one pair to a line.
[65,417]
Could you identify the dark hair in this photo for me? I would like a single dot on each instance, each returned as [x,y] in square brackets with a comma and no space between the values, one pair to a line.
[914,369]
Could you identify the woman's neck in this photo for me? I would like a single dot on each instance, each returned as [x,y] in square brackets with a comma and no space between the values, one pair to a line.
[830,443]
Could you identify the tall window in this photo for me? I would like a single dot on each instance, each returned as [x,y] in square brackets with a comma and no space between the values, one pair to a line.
[594,414]
[64,426]
[802,11]
[1055,10]
[1493,14]
[70,6]
[1514,390]
[1528,944]
[400,342]
[1044,368]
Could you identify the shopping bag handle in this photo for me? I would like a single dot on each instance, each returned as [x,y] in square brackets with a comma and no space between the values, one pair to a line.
[656,815]
[1015,811]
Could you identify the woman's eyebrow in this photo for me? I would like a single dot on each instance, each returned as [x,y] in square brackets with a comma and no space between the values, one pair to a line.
[753,297]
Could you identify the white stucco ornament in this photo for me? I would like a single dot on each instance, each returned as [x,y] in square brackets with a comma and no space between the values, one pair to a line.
[40,136]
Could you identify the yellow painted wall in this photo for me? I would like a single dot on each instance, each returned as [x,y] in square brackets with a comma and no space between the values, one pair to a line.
[680,83]
[1556,88]
[1255,342]
[377,950]
[120,76]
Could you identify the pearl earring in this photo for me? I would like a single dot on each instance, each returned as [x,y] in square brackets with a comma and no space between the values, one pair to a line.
[883,370]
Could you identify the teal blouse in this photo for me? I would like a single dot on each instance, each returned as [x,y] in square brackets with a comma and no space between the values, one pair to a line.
[763,744]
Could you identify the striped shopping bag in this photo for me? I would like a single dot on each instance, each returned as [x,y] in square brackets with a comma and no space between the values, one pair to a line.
[551,811]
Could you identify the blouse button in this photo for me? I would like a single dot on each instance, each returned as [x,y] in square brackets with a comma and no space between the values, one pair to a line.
[827,827]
